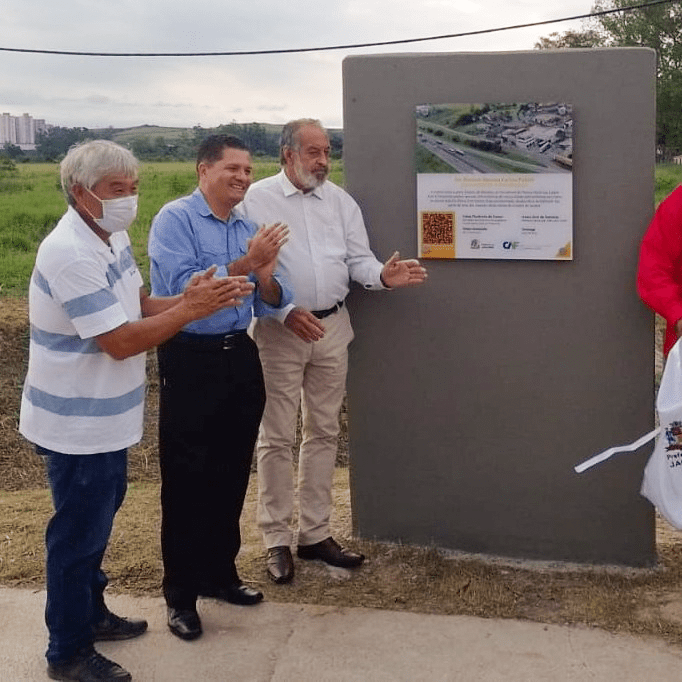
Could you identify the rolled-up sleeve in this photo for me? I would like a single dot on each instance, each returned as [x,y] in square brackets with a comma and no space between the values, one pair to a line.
[262,309]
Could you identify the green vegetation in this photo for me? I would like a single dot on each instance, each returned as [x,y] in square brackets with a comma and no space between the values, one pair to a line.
[157,143]
[31,203]
[426,162]
[657,26]
[668,177]
[451,115]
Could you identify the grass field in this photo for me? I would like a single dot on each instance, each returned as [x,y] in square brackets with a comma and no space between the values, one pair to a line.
[668,177]
[31,203]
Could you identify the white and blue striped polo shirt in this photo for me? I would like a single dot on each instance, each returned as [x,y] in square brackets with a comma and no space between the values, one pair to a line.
[77,399]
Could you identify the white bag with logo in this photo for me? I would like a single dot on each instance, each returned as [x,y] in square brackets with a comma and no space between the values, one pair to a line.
[662,484]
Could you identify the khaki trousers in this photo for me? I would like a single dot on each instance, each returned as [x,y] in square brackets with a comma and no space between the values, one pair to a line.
[314,376]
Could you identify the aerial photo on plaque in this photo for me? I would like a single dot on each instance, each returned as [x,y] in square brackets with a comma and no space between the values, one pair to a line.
[495,181]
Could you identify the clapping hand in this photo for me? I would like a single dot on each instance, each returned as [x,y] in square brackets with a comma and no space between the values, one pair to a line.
[206,294]
[264,246]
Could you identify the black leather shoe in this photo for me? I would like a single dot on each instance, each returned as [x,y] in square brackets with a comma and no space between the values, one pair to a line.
[236,593]
[280,564]
[331,553]
[184,623]
[88,666]
[113,627]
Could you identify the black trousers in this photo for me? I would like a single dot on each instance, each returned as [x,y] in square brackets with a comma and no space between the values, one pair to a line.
[211,401]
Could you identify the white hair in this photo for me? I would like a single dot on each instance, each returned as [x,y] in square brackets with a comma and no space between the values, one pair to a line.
[87,163]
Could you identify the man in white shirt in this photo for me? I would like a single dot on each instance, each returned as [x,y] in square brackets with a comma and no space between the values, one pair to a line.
[304,348]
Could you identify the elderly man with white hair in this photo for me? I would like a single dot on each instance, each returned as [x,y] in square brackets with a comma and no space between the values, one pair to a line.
[304,347]
[82,405]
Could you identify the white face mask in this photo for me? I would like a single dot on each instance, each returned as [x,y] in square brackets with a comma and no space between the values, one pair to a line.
[117,214]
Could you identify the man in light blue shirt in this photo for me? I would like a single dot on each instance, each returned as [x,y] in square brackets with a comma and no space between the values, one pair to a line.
[186,234]
[212,391]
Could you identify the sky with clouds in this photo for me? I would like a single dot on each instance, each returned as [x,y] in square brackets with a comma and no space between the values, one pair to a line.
[97,92]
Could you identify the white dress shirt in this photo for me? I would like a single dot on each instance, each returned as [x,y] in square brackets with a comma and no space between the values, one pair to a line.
[328,244]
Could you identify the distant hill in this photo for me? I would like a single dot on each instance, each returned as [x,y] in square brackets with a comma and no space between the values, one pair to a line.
[127,135]
[166,143]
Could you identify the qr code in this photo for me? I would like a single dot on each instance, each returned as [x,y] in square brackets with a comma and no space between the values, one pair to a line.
[437,227]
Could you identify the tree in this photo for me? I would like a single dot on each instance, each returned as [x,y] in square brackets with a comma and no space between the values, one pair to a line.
[142,147]
[186,149]
[569,38]
[199,133]
[658,27]
[53,144]
[336,144]
[162,149]
[7,165]
[253,135]
[12,151]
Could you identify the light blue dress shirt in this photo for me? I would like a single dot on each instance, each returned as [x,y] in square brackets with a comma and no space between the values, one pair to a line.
[187,238]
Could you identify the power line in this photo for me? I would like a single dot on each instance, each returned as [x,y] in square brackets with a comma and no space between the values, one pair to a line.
[337,47]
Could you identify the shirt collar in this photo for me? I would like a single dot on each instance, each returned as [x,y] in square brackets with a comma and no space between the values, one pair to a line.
[85,231]
[289,188]
[204,210]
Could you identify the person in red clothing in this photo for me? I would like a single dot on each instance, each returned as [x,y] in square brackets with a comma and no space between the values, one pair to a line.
[659,273]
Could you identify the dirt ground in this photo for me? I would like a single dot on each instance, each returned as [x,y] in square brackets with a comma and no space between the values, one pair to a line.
[647,602]
[20,469]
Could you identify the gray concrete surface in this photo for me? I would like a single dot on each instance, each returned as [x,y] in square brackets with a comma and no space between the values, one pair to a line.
[298,643]
[474,396]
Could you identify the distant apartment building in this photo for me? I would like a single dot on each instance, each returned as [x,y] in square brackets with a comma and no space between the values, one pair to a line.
[20,130]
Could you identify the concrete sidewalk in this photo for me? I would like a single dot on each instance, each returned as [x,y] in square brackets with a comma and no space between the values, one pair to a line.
[294,643]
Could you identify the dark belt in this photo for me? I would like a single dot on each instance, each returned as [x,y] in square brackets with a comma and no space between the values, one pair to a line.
[321,314]
[211,341]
